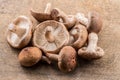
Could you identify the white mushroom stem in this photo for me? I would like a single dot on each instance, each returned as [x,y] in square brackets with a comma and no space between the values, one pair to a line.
[15,29]
[44,58]
[52,56]
[92,42]
[49,35]
[82,19]
[12,28]
[48,8]
[74,33]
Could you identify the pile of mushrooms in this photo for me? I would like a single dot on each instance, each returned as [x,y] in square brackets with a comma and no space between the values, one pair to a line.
[58,37]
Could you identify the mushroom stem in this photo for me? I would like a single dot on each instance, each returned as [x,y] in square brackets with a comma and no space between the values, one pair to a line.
[74,33]
[44,58]
[16,29]
[12,28]
[52,56]
[49,36]
[92,42]
[71,39]
[62,15]
[48,8]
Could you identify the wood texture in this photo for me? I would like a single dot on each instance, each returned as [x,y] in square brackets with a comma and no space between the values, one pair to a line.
[106,68]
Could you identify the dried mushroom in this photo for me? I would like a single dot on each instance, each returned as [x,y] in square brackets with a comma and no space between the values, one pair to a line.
[50,36]
[19,32]
[78,35]
[30,56]
[92,51]
[46,15]
[66,58]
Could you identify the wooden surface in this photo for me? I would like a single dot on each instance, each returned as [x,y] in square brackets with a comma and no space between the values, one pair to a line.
[106,68]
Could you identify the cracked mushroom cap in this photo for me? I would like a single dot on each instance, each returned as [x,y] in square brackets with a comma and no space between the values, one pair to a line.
[50,36]
[29,56]
[19,32]
[67,59]
[95,22]
[99,52]
[78,36]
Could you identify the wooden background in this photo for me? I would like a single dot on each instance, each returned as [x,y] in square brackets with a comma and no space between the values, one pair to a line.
[106,68]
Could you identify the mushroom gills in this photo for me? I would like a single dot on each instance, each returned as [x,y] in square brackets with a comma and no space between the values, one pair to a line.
[75,33]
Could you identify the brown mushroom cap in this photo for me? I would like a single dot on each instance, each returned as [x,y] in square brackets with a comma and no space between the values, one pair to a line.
[67,59]
[79,35]
[29,56]
[50,36]
[90,55]
[95,22]
[40,16]
[19,32]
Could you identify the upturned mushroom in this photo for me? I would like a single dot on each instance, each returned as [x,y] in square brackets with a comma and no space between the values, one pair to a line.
[42,16]
[30,56]
[92,51]
[50,36]
[66,58]
[19,32]
[46,15]
[78,35]
[68,20]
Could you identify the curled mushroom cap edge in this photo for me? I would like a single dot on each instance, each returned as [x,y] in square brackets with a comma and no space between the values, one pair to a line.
[19,32]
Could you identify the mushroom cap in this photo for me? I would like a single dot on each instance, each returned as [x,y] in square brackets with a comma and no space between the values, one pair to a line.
[19,32]
[80,38]
[67,59]
[29,56]
[95,22]
[53,31]
[41,16]
[99,52]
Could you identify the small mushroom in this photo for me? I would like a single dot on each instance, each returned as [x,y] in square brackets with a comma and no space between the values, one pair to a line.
[78,35]
[50,36]
[66,58]
[19,32]
[46,15]
[68,20]
[92,51]
[30,56]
